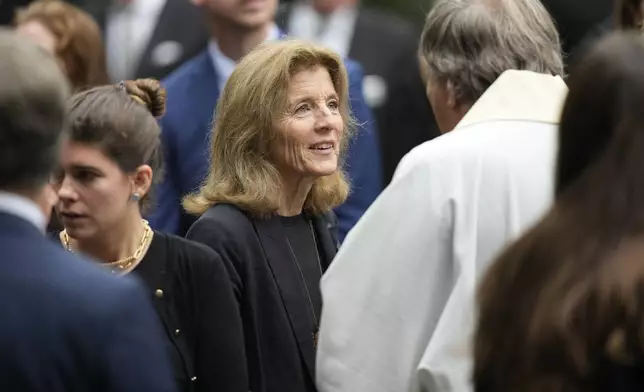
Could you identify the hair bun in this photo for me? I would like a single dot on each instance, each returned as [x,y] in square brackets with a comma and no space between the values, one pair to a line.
[150,92]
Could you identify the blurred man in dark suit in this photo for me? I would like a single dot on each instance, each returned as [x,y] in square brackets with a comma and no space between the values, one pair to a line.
[150,38]
[67,326]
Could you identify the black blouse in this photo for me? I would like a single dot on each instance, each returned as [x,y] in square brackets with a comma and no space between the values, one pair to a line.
[194,299]
[302,244]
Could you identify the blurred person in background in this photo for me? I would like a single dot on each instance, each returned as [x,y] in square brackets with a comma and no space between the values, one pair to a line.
[237,27]
[8,10]
[399,296]
[562,309]
[282,128]
[71,35]
[109,163]
[607,17]
[576,19]
[629,14]
[386,47]
[150,38]
[66,325]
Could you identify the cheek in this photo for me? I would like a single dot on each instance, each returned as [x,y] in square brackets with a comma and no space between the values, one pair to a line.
[294,138]
[338,124]
[106,198]
[291,151]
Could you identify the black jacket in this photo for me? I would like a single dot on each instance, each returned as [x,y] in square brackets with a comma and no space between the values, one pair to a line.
[277,321]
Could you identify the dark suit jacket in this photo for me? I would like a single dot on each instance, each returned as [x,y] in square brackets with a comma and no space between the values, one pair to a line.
[405,119]
[193,91]
[68,326]
[276,315]
[180,24]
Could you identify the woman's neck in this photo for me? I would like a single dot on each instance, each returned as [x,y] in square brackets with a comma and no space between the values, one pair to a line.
[115,244]
[294,196]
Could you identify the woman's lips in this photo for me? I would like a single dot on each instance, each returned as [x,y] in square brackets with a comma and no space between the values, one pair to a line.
[71,216]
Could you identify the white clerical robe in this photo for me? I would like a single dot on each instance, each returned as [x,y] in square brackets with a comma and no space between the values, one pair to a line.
[399,308]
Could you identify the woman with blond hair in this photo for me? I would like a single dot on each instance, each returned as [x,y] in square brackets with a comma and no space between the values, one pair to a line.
[281,130]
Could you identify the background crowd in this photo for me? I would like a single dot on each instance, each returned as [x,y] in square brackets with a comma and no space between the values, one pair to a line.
[321,195]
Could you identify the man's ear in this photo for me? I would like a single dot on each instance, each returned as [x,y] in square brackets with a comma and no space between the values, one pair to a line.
[423,68]
[452,101]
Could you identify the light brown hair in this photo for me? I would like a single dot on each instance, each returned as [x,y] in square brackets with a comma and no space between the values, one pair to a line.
[120,120]
[564,305]
[79,41]
[248,114]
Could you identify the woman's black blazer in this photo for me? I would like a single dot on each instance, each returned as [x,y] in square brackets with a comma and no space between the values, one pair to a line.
[276,315]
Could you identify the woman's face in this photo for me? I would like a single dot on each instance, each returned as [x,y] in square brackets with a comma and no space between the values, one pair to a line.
[39,34]
[95,194]
[312,126]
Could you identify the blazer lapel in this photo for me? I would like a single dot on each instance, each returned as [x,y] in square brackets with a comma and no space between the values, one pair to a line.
[170,43]
[325,226]
[273,240]
[204,85]
[202,90]
[146,62]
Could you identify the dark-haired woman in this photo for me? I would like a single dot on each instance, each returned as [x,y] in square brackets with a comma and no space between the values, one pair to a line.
[562,310]
[109,164]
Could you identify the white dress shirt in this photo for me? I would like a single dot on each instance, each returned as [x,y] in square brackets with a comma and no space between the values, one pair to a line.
[399,298]
[24,208]
[334,31]
[129,29]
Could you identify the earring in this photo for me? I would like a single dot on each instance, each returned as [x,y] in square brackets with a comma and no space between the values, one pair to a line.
[135,197]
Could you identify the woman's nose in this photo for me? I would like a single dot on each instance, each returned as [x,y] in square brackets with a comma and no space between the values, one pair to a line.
[65,190]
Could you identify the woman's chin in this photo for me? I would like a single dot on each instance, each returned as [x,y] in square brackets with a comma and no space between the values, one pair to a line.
[79,232]
[324,171]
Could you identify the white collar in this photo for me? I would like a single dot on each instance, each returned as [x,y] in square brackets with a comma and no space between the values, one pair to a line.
[520,96]
[24,208]
[224,64]
[334,30]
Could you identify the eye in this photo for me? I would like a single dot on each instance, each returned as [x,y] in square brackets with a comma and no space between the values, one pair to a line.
[303,108]
[333,104]
[85,176]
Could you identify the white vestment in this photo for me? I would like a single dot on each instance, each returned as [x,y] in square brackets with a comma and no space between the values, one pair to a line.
[399,308]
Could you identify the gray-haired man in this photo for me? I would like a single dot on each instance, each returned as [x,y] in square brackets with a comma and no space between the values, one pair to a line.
[399,297]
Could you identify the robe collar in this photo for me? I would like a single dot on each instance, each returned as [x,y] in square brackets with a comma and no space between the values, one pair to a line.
[519,96]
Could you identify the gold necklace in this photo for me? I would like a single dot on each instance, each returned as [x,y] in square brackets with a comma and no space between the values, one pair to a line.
[127,264]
